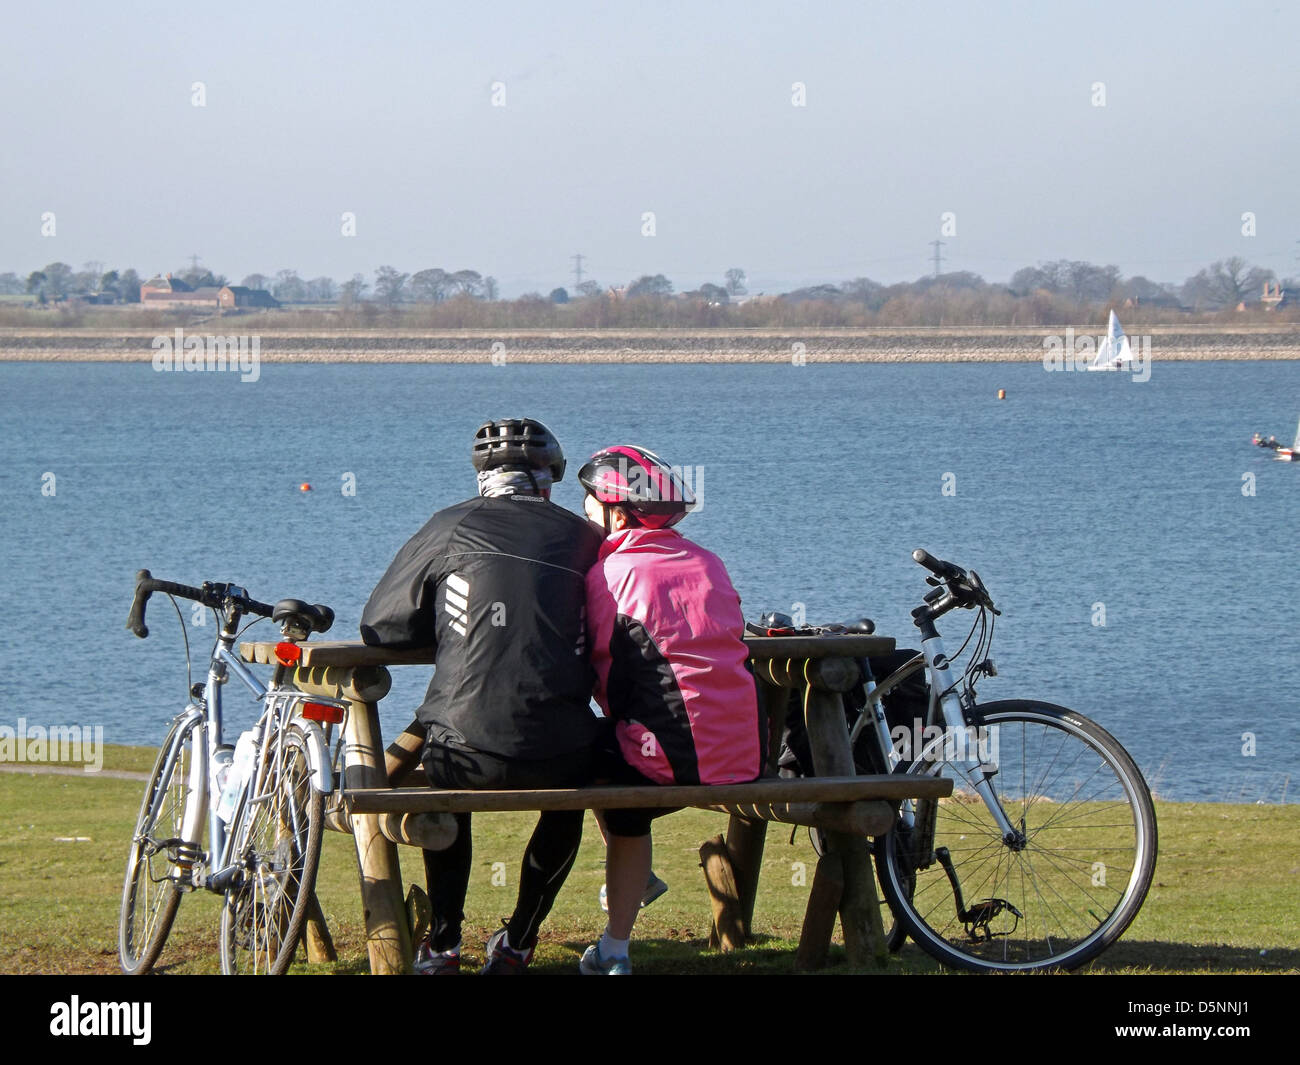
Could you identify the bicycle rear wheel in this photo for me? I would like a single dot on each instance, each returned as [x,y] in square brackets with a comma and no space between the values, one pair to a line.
[278,844]
[976,902]
[159,857]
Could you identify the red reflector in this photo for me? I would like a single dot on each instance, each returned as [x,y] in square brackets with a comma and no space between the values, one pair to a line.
[332,715]
[287,653]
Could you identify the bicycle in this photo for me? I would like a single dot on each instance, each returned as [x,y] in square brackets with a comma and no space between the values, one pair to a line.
[263,828]
[1045,851]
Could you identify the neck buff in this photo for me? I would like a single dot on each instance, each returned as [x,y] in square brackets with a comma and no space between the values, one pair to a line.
[509,482]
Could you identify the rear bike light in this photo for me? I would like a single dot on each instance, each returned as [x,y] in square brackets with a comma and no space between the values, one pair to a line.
[287,654]
[331,715]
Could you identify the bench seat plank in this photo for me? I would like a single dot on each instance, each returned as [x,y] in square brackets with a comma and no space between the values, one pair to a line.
[809,789]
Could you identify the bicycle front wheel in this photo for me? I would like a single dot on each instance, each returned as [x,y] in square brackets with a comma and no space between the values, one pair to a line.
[159,857]
[975,901]
[277,843]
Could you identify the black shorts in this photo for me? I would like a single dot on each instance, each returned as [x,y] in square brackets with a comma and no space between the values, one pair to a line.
[611,767]
[453,768]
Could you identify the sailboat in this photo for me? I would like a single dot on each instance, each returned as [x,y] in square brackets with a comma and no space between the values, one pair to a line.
[1292,453]
[1114,352]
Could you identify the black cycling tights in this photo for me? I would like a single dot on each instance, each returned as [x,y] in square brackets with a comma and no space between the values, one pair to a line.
[547,860]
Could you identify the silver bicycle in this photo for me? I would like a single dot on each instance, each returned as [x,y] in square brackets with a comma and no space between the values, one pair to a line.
[1044,853]
[260,803]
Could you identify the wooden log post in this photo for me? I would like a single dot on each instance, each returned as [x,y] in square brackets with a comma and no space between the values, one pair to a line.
[855,818]
[828,736]
[819,917]
[316,935]
[723,894]
[428,831]
[403,754]
[388,936]
[747,838]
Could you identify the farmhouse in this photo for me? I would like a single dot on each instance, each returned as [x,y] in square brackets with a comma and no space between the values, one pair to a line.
[173,292]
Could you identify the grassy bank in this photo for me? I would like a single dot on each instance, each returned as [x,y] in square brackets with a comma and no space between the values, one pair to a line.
[1222,901]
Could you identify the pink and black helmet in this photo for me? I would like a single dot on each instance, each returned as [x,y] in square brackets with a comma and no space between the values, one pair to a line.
[632,477]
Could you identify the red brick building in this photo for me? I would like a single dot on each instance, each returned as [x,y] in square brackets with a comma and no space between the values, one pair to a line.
[173,292]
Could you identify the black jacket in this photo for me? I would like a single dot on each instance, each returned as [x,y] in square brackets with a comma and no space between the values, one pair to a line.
[497,587]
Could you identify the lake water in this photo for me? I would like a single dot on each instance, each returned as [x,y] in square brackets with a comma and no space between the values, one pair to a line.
[1079,495]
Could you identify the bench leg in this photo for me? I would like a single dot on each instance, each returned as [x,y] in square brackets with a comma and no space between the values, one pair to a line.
[864,938]
[723,894]
[388,936]
[745,842]
[819,919]
[828,736]
[316,935]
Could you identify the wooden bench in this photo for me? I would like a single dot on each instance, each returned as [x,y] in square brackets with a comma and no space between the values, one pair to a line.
[385,801]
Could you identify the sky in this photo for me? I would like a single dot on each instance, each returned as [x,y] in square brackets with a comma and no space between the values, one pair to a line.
[802,143]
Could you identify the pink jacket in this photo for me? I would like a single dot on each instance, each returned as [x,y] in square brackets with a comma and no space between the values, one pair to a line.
[665,626]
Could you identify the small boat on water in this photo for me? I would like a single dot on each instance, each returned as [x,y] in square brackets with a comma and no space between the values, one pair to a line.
[1292,453]
[1282,454]
[1114,351]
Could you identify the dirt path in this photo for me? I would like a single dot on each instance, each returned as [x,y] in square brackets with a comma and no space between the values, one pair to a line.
[70,771]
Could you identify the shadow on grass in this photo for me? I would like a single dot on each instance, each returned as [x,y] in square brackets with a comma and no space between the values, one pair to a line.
[1137,954]
[775,957]
[767,956]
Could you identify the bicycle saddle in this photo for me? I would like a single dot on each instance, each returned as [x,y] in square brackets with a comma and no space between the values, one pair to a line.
[317,618]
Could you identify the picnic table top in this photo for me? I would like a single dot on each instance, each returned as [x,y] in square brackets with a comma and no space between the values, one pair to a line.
[889,787]
[351,653]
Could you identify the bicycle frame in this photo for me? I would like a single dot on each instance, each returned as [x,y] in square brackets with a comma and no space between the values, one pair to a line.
[945,707]
[214,868]
[977,884]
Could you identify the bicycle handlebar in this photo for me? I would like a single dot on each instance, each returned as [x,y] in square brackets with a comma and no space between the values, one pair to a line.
[212,595]
[941,569]
[962,589]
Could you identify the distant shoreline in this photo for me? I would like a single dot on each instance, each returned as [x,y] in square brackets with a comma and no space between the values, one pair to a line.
[469,346]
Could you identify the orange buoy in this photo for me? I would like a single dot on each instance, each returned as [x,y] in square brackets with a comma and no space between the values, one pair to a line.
[1002,393]
[304,487]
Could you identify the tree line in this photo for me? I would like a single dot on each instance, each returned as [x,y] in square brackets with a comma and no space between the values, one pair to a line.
[1055,291]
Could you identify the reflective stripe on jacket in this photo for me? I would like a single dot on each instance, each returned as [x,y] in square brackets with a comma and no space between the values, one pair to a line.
[497,587]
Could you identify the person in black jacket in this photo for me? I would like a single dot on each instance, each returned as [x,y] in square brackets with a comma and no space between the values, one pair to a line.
[496,585]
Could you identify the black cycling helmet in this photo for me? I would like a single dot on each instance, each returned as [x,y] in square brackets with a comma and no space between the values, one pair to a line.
[518,442]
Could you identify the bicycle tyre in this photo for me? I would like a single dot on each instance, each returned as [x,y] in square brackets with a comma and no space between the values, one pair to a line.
[278,841]
[1076,794]
[895,929]
[151,893]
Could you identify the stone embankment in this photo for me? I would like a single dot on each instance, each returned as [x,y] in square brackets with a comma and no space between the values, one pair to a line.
[882,344]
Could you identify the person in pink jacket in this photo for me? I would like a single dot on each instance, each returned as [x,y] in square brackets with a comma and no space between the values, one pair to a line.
[671,671]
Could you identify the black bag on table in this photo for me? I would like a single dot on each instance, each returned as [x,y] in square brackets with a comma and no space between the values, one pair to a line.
[904,705]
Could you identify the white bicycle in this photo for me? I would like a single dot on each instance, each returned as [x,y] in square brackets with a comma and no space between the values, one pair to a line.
[1044,853]
[262,807]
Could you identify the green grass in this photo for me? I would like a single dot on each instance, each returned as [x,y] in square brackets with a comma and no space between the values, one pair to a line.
[1222,901]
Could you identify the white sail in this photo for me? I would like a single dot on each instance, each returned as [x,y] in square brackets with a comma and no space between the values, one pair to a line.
[1114,351]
